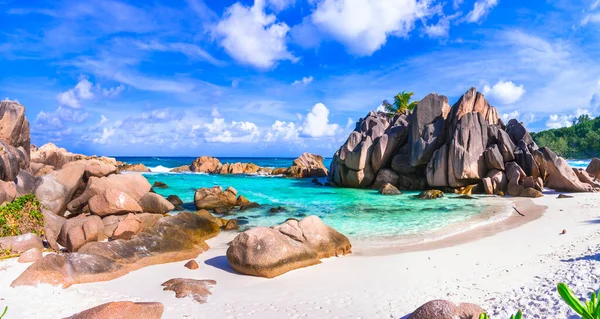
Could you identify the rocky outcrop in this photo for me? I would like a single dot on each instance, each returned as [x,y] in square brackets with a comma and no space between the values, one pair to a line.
[141,168]
[462,148]
[8,191]
[270,252]
[389,189]
[307,165]
[21,243]
[123,310]
[155,204]
[173,238]
[12,160]
[52,155]
[113,202]
[444,309]
[215,197]
[199,290]
[78,231]
[594,168]
[14,126]
[206,164]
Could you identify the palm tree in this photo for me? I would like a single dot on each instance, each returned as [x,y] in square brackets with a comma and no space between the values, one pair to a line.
[402,104]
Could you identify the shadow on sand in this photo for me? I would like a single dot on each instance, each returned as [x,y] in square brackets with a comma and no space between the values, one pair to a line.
[220,262]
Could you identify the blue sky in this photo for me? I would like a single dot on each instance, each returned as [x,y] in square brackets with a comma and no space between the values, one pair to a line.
[279,77]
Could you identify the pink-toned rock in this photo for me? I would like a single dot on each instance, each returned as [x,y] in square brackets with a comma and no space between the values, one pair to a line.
[133,184]
[110,224]
[52,227]
[206,164]
[14,126]
[123,310]
[113,202]
[443,309]
[148,219]
[199,290]
[21,243]
[594,168]
[192,264]
[307,165]
[32,255]
[95,167]
[128,227]
[80,230]
[12,161]
[141,168]
[560,175]
[39,169]
[155,204]
[215,197]
[50,154]
[8,192]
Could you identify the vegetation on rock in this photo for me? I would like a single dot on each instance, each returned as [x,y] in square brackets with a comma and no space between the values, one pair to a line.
[402,104]
[581,140]
[22,216]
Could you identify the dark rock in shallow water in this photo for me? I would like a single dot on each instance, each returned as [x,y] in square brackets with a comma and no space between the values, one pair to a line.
[160,185]
[199,290]
[176,201]
[431,194]
[564,196]
[277,209]
[389,189]
[249,205]
[315,180]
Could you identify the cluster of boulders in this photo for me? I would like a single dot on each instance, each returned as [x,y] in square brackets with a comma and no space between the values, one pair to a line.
[307,165]
[221,201]
[270,252]
[465,149]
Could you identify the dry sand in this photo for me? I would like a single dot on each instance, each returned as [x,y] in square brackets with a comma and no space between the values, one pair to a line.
[503,266]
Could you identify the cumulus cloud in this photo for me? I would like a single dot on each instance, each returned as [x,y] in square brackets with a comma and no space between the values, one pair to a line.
[220,131]
[59,119]
[504,92]
[73,97]
[282,131]
[566,120]
[304,82]
[481,9]
[114,91]
[316,123]
[363,26]
[509,116]
[279,5]
[252,37]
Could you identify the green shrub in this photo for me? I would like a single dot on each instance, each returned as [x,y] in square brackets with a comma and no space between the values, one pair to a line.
[589,310]
[3,313]
[22,216]
[519,315]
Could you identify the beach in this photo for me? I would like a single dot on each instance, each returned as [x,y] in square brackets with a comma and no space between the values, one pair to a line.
[515,266]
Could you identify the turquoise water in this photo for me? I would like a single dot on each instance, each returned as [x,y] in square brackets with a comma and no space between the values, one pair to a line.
[359,214]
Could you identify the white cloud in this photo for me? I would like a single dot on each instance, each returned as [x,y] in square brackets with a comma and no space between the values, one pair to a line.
[591,18]
[220,131]
[579,112]
[114,91]
[595,5]
[103,120]
[281,130]
[481,9]
[252,37]
[59,119]
[558,121]
[279,5]
[504,92]
[509,116]
[364,25]
[188,49]
[304,82]
[215,112]
[73,97]
[316,123]
[456,4]
[440,29]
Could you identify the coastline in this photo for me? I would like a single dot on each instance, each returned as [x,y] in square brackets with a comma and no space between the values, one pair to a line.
[492,268]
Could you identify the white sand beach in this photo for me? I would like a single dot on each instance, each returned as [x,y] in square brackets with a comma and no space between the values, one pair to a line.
[513,266]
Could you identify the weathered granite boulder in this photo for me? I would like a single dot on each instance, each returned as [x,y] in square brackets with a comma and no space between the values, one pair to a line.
[594,168]
[129,226]
[156,204]
[466,163]
[206,164]
[444,309]
[180,169]
[21,243]
[518,133]
[56,189]
[176,201]
[560,176]
[387,145]
[50,154]
[307,165]
[385,176]
[173,238]
[389,189]
[493,158]
[215,197]
[123,310]
[25,183]
[134,184]
[8,191]
[30,256]
[95,168]
[14,126]
[113,202]
[38,169]
[506,146]
[431,194]
[141,168]
[78,231]
[586,178]
[52,226]
[12,160]
[516,182]
[498,182]
[270,252]
[199,290]
[426,130]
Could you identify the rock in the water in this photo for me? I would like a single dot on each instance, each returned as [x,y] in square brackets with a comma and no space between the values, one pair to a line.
[389,189]
[276,209]
[113,202]
[206,164]
[444,309]
[199,290]
[431,194]
[192,264]
[231,224]
[270,252]
[21,243]
[594,168]
[173,238]
[385,176]
[180,169]
[134,168]
[155,204]
[176,201]
[562,196]
[160,185]
[32,255]
[123,310]
[307,165]
[215,197]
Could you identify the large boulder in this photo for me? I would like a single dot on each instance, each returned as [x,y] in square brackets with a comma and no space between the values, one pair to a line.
[517,132]
[471,102]
[174,238]
[270,252]
[215,197]
[8,191]
[206,164]
[385,176]
[586,177]
[134,184]
[517,186]
[155,204]
[426,130]
[12,160]
[560,175]
[14,126]
[122,310]
[50,154]
[141,168]
[493,158]
[594,168]
[113,202]
[129,226]
[387,145]
[56,189]
[78,231]
[307,165]
[466,163]
[52,227]
[444,309]
[21,243]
